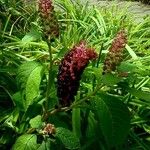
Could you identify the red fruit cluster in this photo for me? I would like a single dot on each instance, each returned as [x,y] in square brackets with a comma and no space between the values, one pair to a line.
[114,56]
[70,71]
[48,18]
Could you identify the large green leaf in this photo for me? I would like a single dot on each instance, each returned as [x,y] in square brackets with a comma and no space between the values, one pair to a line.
[69,140]
[113,117]
[26,142]
[29,78]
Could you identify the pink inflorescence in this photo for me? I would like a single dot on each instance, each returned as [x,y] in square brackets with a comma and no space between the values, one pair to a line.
[114,56]
[48,18]
[45,8]
[70,71]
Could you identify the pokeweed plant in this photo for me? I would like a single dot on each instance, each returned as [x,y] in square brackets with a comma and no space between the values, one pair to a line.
[72,80]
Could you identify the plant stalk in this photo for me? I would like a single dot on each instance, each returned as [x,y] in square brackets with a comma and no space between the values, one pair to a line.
[49,82]
[75,104]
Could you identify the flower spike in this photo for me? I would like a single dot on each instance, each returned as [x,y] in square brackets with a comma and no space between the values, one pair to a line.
[70,71]
[48,19]
[114,56]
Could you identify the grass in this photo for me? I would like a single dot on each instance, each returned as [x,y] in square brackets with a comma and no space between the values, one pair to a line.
[100,99]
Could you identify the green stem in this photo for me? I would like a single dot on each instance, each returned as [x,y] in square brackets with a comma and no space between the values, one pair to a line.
[75,104]
[78,102]
[49,82]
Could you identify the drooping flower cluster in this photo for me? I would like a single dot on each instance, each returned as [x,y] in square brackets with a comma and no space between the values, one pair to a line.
[48,19]
[114,56]
[70,71]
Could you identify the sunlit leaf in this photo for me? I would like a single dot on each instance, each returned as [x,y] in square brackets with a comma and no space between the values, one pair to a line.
[127,67]
[29,78]
[36,122]
[31,36]
[26,142]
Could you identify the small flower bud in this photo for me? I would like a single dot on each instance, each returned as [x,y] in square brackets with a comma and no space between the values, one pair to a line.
[49,129]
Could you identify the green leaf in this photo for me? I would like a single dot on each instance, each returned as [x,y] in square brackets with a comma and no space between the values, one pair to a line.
[33,83]
[131,52]
[36,122]
[5,113]
[146,128]
[110,79]
[140,94]
[127,67]
[45,145]
[76,122]
[113,117]
[26,142]
[69,140]
[33,35]
[17,98]
[91,126]
[29,78]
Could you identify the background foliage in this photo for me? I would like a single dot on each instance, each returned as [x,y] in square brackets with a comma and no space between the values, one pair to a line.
[110,111]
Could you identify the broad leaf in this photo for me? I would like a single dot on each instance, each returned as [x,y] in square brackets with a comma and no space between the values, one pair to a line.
[69,140]
[127,67]
[17,98]
[29,78]
[33,35]
[110,79]
[91,126]
[113,117]
[26,142]
[46,145]
[36,122]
